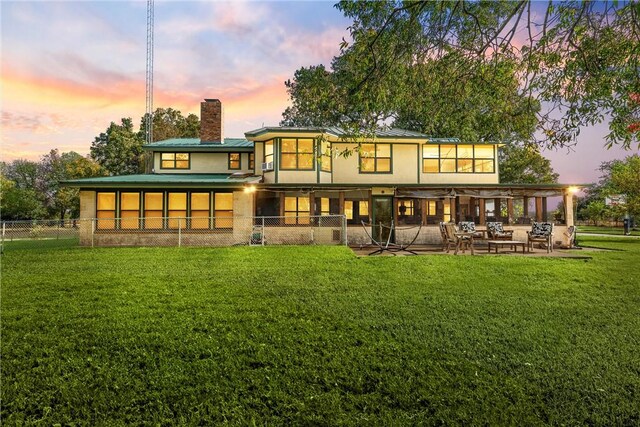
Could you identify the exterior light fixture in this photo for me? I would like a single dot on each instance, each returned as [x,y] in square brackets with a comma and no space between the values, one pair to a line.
[250,189]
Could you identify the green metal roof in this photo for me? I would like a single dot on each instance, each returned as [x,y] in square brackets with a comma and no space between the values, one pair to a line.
[341,133]
[194,144]
[335,131]
[164,180]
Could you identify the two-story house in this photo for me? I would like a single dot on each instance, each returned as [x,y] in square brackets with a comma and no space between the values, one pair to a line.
[215,185]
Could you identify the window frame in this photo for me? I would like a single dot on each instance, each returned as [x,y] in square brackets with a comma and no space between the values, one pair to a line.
[252,161]
[174,160]
[230,161]
[268,158]
[305,213]
[376,158]
[325,156]
[297,153]
[457,159]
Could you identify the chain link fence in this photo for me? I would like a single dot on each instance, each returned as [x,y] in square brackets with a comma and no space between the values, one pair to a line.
[183,231]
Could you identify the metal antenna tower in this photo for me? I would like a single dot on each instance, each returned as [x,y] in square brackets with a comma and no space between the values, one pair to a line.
[149,106]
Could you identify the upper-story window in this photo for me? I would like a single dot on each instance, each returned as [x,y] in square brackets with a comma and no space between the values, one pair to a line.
[325,156]
[234,161]
[268,151]
[174,160]
[296,154]
[375,158]
[462,158]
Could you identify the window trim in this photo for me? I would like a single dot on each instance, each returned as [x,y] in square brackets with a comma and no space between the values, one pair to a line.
[324,156]
[175,153]
[252,161]
[304,214]
[229,161]
[375,157]
[273,151]
[297,153]
[456,158]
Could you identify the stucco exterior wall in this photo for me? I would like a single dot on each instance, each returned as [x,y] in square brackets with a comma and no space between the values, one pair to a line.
[205,163]
[459,178]
[404,166]
[297,177]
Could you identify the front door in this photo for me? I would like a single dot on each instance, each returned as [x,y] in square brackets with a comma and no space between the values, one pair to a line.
[382,217]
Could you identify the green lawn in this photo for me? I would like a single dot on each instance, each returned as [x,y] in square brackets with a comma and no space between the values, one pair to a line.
[314,335]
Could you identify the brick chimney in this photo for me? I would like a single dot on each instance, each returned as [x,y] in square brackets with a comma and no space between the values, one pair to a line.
[211,122]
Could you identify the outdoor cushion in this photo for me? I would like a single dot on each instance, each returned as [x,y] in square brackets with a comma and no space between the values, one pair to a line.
[467,226]
[495,227]
[541,229]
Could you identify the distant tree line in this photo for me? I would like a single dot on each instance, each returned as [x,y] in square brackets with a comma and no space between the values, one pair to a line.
[32,190]
[619,178]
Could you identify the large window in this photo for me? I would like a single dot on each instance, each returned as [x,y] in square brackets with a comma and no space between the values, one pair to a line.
[375,158]
[174,160]
[296,210]
[409,211]
[129,210]
[177,209]
[296,154]
[223,210]
[200,207]
[461,158]
[268,151]
[252,161]
[153,210]
[234,161]
[484,156]
[356,211]
[106,210]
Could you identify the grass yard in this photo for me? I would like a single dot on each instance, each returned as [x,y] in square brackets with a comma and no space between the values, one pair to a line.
[314,335]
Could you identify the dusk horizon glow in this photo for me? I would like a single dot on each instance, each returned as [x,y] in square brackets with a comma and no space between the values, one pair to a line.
[71,68]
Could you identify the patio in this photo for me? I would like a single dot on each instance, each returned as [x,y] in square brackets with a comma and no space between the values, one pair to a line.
[481,249]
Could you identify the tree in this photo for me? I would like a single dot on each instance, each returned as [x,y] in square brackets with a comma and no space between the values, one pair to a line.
[118,149]
[523,164]
[595,211]
[169,123]
[24,173]
[18,203]
[623,177]
[578,58]
[56,167]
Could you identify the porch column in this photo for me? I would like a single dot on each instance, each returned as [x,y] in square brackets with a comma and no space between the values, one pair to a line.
[281,204]
[312,203]
[472,208]
[423,210]
[525,207]
[370,206]
[567,198]
[394,205]
[510,211]
[452,209]
[544,209]
[496,208]
[482,219]
[341,202]
[539,209]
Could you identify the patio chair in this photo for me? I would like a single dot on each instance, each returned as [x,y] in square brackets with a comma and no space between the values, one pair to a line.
[443,234]
[496,232]
[461,240]
[541,232]
[470,227]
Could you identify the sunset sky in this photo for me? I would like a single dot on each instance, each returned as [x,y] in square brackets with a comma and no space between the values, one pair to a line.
[70,68]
